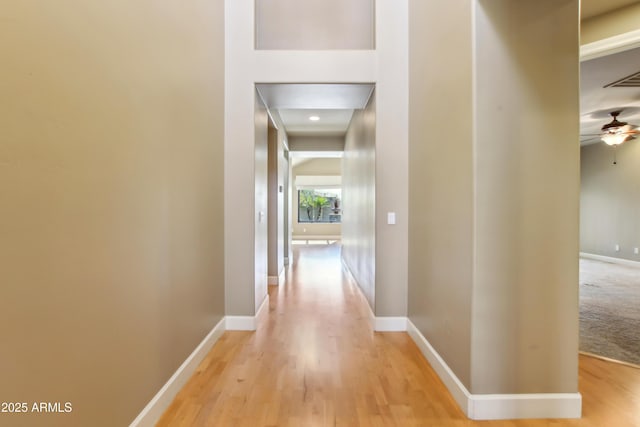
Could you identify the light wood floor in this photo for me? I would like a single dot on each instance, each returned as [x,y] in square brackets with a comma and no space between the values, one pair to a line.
[315,362]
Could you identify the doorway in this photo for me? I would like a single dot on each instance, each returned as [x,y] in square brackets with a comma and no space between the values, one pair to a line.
[322,145]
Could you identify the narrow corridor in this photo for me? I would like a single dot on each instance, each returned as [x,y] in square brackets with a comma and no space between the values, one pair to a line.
[314,361]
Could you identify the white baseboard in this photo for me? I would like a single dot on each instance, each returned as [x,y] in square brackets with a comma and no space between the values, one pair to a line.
[497,406]
[240,323]
[161,401]
[389,324]
[317,237]
[450,380]
[518,406]
[372,316]
[263,307]
[246,323]
[613,260]
[382,323]
[277,280]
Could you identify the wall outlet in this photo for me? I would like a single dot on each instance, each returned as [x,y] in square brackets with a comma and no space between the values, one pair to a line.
[617,248]
[636,251]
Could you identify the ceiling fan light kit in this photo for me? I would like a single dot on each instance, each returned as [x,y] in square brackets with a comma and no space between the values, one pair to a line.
[616,132]
[614,138]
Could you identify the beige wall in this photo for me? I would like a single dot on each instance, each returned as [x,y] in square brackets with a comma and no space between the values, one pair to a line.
[441,179]
[610,24]
[111,188]
[358,200]
[272,212]
[327,24]
[316,143]
[283,199]
[314,167]
[526,198]
[278,167]
[494,205]
[392,157]
[610,200]
[260,168]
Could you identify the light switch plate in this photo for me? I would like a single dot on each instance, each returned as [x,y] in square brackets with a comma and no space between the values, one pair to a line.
[391,218]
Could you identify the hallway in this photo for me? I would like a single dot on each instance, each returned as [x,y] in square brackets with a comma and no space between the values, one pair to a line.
[314,361]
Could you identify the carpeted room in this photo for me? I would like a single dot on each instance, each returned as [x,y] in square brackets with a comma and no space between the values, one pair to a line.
[610,310]
[610,208]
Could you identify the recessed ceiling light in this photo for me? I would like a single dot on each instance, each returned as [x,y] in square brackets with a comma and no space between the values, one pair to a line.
[314,118]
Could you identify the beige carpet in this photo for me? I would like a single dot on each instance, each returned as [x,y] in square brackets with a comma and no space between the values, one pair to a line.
[610,310]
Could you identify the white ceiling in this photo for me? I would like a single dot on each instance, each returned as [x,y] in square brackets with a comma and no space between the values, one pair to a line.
[318,96]
[332,122]
[597,102]
[591,8]
[332,103]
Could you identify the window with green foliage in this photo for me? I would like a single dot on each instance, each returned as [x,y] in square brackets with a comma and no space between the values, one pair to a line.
[319,205]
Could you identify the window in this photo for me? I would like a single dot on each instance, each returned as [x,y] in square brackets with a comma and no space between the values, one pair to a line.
[319,205]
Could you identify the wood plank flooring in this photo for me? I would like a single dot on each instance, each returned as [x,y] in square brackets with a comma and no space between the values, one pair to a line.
[314,361]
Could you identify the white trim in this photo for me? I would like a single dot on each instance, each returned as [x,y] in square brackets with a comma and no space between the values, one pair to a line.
[317,236]
[163,398]
[497,406]
[518,406]
[613,260]
[323,181]
[240,323]
[382,323]
[264,306]
[389,324]
[246,323]
[610,45]
[619,362]
[276,280]
[372,315]
[450,380]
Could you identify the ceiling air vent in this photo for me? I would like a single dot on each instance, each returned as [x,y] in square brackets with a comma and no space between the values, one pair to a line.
[630,81]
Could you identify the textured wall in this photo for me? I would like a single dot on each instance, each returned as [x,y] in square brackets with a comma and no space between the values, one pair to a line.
[111,191]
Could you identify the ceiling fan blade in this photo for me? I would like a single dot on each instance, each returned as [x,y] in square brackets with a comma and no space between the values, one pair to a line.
[590,134]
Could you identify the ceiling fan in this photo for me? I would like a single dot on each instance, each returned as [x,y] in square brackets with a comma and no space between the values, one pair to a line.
[616,132]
